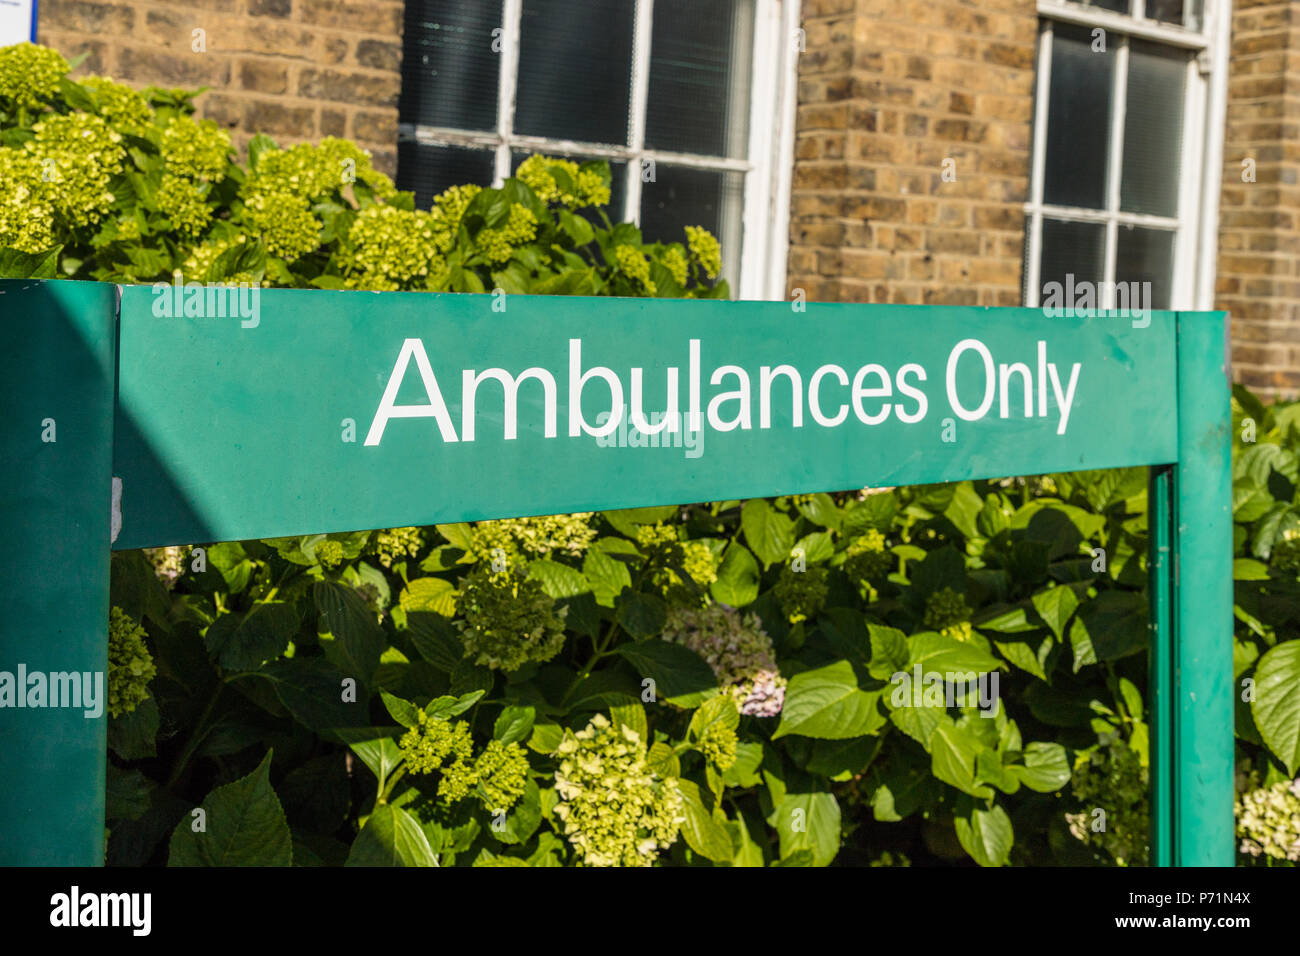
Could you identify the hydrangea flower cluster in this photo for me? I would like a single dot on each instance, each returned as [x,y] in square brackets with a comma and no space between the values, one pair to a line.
[119,105]
[739,651]
[30,74]
[181,201]
[866,558]
[1286,552]
[705,250]
[317,171]
[632,263]
[1268,821]
[26,205]
[674,260]
[392,249]
[509,619]
[801,594]
[537,172]
[536,537]
[497,244]
[502,773]
[195,149]
[947,612]
[1113,779]
[168,564]
[72,159]
[436,744]
[448,209]
[615,810]
[396,544]
[130,665]
[203,256]
[718,744]
[329,553]
[284,223]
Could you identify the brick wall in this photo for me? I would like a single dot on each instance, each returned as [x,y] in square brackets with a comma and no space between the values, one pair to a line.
[889,89]
[293,69]
[1258,278]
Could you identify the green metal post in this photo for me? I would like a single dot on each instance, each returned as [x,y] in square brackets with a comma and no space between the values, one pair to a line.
[1202,705]
[57,366]
[1160,665]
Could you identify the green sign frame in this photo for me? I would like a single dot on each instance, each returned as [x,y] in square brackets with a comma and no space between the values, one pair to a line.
[225,414]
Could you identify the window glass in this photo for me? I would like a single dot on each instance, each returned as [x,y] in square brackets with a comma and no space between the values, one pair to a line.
[1079,120]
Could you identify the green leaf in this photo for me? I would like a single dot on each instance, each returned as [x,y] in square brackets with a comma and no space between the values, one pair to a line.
[816,547]
[769,534]
[312,691]
[608,576]
[720,709]
[1055,606]
[391,837]
[985,834]
[435,640]
[558,580]
[889,653]
[1248,569]
[1045,767]
[29,265]
[523,819]
[514,724]
[375,746]
[953,754]
[402,711]
[244,826]
[828,704]
[1116,624]
[738,578]
[809,822]
[939,653]
[132,735]
[437,595]
[640,613]
[348,631]
[681,676]
[445,708]
[1276,707]
[821,509]
[242,642]
[127,793]
[632,716]
[703,834]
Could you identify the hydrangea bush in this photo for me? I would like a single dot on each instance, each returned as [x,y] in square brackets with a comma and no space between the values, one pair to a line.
[702,685]
[104,182]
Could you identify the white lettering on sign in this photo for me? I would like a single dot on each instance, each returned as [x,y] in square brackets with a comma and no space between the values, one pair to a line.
[1015,389]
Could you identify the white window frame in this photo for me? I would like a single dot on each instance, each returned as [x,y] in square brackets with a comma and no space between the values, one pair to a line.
[1195,225]
[763,237]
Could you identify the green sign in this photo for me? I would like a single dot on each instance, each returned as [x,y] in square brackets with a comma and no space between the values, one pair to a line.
[220,414]
[263,418]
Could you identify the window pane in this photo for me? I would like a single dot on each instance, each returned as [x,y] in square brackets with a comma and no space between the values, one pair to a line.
[1078,121]
[575,70]
[428,170]
[1119,6]
[1147,255]
[1071,249]
[449,72]
[698,98]
[1153,129]
[1174,11]
[681,197]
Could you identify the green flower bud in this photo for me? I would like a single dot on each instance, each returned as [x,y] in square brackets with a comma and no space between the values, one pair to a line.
[945,609]
[802,594]
[429,744]
[395,544]
[502,771]
[704,250]
[719,745]
[329,554]
[130,665]
[509,619]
